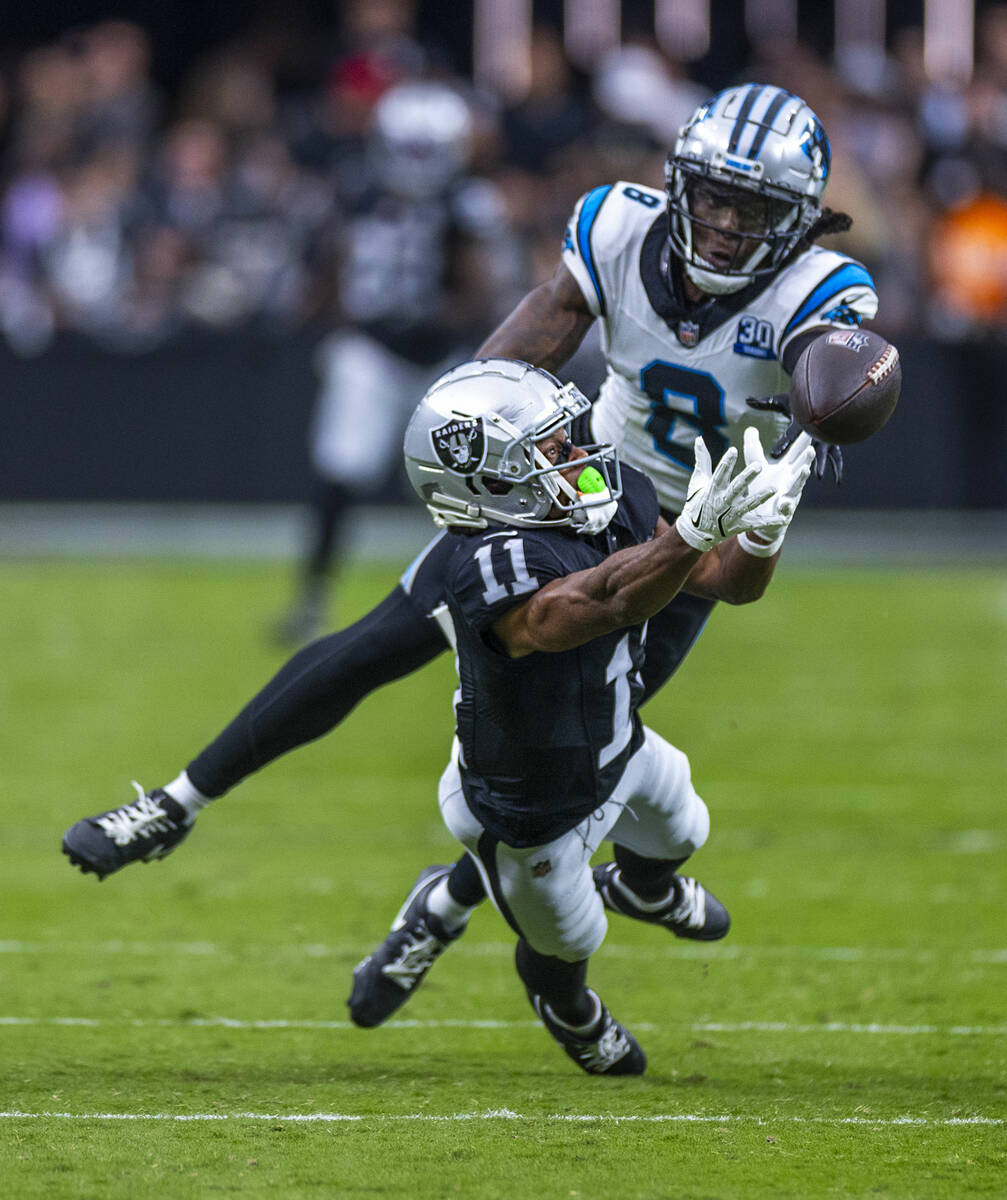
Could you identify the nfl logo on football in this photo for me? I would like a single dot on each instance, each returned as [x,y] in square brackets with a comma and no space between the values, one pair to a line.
[852,339]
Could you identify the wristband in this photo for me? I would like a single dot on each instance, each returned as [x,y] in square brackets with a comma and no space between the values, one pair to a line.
[760,549]
[693,536]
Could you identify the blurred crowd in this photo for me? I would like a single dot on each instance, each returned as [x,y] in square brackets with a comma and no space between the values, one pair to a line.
[127,215]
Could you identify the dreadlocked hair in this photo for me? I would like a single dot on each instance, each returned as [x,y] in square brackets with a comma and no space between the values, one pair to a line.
[828,221]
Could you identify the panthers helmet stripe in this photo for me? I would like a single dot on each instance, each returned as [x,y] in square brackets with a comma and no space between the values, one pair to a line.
[766,124]
[588,215]
[851,274]
[760,138]
[742,118]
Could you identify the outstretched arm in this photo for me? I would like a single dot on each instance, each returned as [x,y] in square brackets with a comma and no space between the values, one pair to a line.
[546,327]
[731,574]
[633,584]
[738,570]
[627,588]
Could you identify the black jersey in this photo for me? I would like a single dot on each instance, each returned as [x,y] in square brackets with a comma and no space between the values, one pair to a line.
[397,266]
[544,738]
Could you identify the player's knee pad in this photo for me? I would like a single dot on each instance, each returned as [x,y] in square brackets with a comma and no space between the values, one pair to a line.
[572,939]
[691,828]
[551,900]
[672,819]
[667,828]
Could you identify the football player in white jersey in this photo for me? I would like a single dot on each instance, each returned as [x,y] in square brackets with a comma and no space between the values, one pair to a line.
[706,295]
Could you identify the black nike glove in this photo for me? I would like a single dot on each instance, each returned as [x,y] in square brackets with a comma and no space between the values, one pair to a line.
[826,455]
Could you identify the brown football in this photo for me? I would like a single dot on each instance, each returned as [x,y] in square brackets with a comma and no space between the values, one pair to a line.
[845,385]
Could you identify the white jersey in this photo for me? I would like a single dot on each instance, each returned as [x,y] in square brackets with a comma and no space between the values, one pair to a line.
[676,371]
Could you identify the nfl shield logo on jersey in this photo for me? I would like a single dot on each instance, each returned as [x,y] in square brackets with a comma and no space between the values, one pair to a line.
[460,445]
[687,333]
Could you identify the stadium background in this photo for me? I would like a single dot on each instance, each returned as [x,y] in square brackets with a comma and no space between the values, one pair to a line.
[180,1029]
[140,367]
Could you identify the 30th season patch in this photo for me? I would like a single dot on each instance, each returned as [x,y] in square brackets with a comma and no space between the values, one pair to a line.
[460,444]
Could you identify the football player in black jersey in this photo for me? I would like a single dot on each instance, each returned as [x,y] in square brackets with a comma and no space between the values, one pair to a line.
[556,560]
[560,559]
[321,684]
[415,243]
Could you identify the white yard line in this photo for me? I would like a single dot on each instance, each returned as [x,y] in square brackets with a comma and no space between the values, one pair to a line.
[992,957]
[784,1027]
[503,1114]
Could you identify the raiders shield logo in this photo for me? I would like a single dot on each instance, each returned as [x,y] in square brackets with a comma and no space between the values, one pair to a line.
[460,444]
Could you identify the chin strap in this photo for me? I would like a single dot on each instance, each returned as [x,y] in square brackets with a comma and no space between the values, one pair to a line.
[597,518]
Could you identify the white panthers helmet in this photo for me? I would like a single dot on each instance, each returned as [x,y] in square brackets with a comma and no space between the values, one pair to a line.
[761,150]
[471,453]
[421,137]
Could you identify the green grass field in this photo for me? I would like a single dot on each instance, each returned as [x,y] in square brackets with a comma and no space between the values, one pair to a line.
[180,1030]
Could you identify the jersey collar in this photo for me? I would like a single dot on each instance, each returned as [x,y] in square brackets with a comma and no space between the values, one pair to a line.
[661,276]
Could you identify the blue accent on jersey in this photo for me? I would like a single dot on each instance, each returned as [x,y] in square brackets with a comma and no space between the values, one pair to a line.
[842,314]
[644,198]
[851,274]
[754,338]
[753,351]
[588,215]
[664,382]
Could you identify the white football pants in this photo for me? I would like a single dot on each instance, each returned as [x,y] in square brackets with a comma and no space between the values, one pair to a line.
[548,890]
[366,398]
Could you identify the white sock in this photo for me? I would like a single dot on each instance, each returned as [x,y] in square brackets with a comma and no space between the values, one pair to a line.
[452,915]
[643,905]
[188,795]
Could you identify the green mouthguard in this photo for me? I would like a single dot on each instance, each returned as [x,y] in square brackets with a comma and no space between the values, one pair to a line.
[590,480]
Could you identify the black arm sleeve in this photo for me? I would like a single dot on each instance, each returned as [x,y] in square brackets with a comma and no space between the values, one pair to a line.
[800,343]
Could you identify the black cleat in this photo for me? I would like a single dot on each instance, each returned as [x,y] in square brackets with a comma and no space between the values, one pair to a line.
[386,979]
[607,1049]
[693,912]
[149,828]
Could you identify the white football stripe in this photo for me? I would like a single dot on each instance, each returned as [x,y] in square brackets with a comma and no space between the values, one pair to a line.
[504,1114]
[787,1027]
[704,951]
